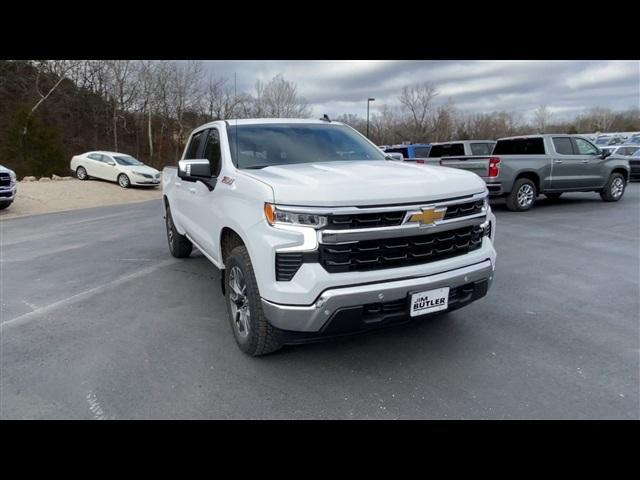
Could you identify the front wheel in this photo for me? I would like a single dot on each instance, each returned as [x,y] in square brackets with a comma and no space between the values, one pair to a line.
[614,189]
[124,181]
[81,173]
[179,245]
[522,195]
[5,205]
[254,334]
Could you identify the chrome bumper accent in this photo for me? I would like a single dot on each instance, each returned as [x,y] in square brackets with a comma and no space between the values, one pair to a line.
[405,230]
[311,318]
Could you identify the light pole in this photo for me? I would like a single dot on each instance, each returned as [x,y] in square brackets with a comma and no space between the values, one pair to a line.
[369,100]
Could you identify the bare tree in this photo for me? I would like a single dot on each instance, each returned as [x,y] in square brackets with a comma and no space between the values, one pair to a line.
[148,80]
[122,90]
[223,101]
[279,98]
[417,100]
[542,116]
[59,69]
[601,118]
[184,82]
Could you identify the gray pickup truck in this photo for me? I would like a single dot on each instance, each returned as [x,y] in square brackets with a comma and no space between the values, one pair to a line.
[520,168]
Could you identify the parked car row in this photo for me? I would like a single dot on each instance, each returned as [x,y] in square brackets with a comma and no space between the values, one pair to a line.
[521,168]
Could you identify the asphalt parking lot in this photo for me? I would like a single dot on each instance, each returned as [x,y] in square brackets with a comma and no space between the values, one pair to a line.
[99,321]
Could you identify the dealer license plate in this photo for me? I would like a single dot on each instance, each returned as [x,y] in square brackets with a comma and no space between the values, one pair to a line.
[429,301]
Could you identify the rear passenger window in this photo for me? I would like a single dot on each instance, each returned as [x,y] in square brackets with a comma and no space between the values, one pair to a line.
[436,151]
[194,146]
[403,151]
[520,146]
[421,152]
[453,150]
[481,148]
[563,145]
[212,151]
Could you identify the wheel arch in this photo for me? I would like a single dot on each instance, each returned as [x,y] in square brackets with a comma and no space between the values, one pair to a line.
[531,175]
[623,171]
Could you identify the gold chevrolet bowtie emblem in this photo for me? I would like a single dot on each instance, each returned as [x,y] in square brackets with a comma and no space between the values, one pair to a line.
[428,215]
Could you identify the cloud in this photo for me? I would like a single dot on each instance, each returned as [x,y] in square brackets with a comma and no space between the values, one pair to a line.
[477,86]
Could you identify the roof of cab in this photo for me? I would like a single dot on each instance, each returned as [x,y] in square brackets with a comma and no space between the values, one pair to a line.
[263,121]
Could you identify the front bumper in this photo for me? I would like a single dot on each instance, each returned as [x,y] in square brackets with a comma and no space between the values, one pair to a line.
[145,182]
[363,307]
[8,194]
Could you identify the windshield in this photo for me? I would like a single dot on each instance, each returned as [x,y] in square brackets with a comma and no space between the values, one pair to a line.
[259,146]
[127,160]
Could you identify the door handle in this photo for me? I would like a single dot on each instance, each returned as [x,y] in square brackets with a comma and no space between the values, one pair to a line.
[192,190]
[585,161]
[557,161]
[177,184]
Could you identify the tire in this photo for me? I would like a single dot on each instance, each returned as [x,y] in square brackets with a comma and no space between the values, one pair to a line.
[5,205]
[522,196]
[81,173]
[614,188]
[553,196]
[124,181]
[179,245]
[254,334]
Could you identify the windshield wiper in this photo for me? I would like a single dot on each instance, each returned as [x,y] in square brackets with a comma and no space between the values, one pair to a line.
[254,167]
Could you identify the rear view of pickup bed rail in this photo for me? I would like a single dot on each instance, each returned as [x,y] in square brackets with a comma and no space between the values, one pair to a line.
[521,168]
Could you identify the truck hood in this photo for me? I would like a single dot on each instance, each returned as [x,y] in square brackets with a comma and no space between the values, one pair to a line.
[336,184]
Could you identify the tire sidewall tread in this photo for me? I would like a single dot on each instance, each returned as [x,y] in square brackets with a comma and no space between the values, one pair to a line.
[512,198]
[263,338]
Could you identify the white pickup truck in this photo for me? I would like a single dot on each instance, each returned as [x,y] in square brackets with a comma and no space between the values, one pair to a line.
[318,234]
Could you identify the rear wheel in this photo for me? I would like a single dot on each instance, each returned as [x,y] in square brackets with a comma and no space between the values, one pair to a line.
[553,196]
[81,173]
[614,189]
[179,245]
[124,181]
[522,196]
[254,334]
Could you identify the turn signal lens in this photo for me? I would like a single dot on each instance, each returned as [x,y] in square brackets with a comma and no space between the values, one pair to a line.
[270,213]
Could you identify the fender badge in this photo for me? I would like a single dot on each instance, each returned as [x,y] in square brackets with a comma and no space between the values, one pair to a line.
[227,180]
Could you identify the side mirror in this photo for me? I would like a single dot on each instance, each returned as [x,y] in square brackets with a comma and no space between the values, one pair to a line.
[395,156]
[113,164]
[605,153]
[197,170]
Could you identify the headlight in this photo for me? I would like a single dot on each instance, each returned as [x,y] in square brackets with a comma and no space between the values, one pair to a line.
[12,175]
[138,173]
[274,216]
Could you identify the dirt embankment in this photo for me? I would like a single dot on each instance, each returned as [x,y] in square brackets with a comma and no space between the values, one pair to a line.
[59,195]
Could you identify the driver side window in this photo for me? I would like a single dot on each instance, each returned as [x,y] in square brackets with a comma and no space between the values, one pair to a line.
[585,148]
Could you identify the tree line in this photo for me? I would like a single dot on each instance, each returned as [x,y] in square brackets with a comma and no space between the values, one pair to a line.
[51,110]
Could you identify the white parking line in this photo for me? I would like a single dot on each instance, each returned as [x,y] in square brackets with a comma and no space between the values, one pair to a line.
[21,319]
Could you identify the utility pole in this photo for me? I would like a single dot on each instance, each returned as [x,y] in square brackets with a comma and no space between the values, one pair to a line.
[369,100]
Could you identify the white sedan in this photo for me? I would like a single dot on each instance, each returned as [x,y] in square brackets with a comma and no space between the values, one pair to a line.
[115,167]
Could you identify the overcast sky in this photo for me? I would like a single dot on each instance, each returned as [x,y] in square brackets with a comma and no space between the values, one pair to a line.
[566,87]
